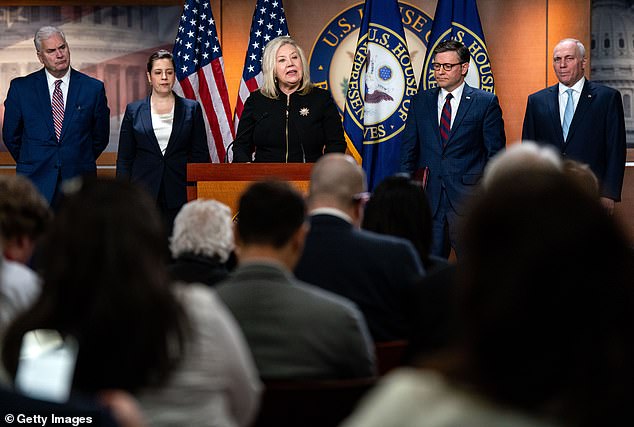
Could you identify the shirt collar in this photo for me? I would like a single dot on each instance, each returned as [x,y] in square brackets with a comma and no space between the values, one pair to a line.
[457,92]
[50,79]
[577,87]
[332,211]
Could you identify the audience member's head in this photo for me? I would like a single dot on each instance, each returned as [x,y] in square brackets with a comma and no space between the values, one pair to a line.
[527,157]
[547,302]
[399,207]
[337,181]
[583,176]
[272,215]
[203,227]
[105,283]
[24,216]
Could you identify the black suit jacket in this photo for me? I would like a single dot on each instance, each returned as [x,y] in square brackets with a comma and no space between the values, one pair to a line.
[297,128]
[596,135]
[376,272]
[140,159]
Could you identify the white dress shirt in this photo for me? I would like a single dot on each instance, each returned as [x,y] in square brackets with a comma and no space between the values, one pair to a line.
[455,102]
[50,79]
[563,96]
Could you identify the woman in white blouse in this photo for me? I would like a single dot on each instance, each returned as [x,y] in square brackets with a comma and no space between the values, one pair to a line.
[159,136]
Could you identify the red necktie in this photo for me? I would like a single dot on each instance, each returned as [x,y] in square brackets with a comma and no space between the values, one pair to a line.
[445,120]
[57,106]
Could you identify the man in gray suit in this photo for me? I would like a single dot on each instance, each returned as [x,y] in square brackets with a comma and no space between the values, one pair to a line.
[294,330]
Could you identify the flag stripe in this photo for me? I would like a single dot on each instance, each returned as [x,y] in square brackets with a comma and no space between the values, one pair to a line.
[210,112]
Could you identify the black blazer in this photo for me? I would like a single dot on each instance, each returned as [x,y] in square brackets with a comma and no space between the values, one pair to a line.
[374,271]
[596,135]
[140,159]
[313,127]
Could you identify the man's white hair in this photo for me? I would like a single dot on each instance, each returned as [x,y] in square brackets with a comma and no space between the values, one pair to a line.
[203,227]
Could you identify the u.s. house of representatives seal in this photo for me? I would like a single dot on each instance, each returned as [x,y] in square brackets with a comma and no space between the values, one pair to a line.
[333,54]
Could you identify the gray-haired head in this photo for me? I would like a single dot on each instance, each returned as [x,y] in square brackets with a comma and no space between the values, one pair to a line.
[525,157]
[203,227]
[45,33]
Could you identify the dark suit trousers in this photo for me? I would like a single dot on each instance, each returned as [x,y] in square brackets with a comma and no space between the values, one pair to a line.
[445,228]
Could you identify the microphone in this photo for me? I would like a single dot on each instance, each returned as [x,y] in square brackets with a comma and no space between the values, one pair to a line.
[243,132]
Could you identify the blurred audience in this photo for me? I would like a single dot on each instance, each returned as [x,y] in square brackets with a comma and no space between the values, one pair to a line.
[546,309]
[295,330]
[24,216]
[201,242]
[377,272]
[105,284]
[399,207]
[582,175]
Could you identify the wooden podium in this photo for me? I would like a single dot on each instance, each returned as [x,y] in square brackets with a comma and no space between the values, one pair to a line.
[225,182]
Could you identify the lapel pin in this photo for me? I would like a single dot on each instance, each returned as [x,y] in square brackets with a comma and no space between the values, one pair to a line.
[304,111]
[467,97]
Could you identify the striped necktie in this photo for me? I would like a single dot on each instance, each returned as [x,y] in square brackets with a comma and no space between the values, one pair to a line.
[57,106]
[445,120]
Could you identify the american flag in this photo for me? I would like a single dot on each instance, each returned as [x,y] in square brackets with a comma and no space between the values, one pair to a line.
[268,22]
[200,73]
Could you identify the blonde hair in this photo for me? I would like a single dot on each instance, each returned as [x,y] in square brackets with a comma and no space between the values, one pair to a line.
[269,86]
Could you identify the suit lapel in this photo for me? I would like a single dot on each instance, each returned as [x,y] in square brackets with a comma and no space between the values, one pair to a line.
[431,104]
[553,112]
[44,95]
[145,114]
[177,124]
[463,108]
[70,103]
[585,99]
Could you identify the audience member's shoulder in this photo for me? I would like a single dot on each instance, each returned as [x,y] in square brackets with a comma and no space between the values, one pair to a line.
[198,299]
[384,240]
[328,298]
[19,287]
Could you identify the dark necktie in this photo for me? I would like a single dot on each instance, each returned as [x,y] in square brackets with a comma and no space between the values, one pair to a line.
[445,120]
[57,106]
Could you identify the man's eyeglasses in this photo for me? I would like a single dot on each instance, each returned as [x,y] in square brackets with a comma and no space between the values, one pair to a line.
[447,67]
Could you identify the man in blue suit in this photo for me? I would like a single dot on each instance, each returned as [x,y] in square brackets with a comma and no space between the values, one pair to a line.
[581,119]
[56,120]
[451,132]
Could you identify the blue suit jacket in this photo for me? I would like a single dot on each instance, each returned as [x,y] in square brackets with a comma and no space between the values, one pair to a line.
[476,135]
[29,134]
[596,135]
[375,271]
[140,159]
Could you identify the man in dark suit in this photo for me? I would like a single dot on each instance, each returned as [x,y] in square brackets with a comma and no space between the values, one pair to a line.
[451,131]
[581,119]
[294,330]
[375,271]
[56,120]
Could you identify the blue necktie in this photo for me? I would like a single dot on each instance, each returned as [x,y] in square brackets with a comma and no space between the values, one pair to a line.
[568,113]
[445,120]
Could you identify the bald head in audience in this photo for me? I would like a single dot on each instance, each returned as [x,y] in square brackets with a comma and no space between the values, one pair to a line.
[337,181]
